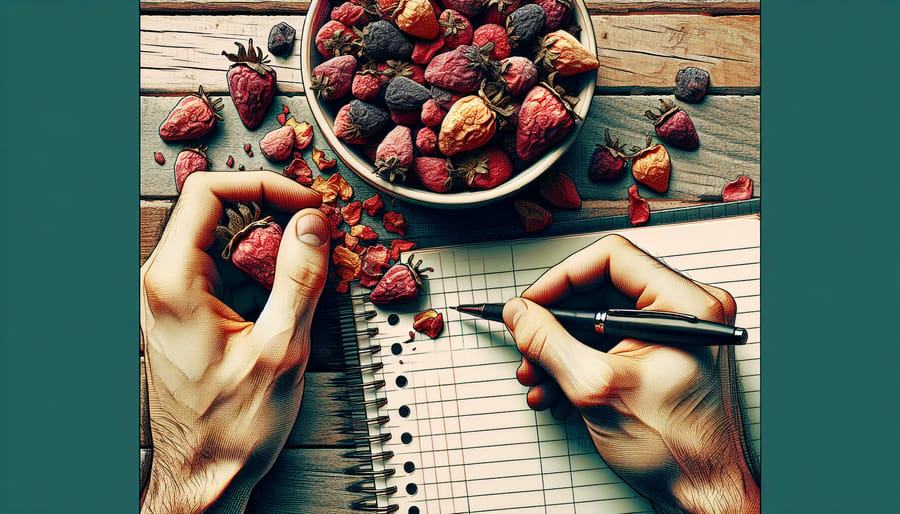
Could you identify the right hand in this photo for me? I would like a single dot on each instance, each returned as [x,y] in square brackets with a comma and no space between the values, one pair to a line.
[666,419]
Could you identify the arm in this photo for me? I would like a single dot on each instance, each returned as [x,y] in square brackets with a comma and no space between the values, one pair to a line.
[666,419]
[224,392]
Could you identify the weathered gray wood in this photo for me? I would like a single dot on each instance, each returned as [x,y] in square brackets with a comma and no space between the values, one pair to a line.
[304,481]
[153,218]
[637,53]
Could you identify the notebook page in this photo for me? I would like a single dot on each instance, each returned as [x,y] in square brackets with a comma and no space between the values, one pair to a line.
[463,437]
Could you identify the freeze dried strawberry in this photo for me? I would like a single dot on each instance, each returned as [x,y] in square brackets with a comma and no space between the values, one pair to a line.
[651,166]
[498,10]
[486,169]
[524,24]
[424,49]
[470,8]
[638,208]
[457,29]
[607,161]
[278,145]
[432,113]
[303,132]
[347,264]
[376,259]
[691,84]
[159,158]
[388,70]
[417,18]
[430,323]
[343,285]
[332,79]
[434,173]
[558,13]
[740,189]
[230,162]
[189,160]
[544,119]
[674,126]
[281,118]
[533,216]
[364,232]
[333,215]
[366,85]
[366,120]
[299,171]
[351,241]
[382,41]
[373,204]
[335,38]
[318,157]
[405,94]
[327,189]
[495,34]
[247,148]
[352,212]
[462,69]
[562,53]
[469,124]
[519,74]
[444,97]
[426,141]
[344,189]
[251,243]
[395,154]
[349,14]
[559,189]
[400,284]
[251,84]
[407,118]
[400,245]
[394,222]
[193,117]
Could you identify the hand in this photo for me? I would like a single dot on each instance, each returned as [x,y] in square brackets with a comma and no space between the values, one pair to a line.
[666,419]
[225,392]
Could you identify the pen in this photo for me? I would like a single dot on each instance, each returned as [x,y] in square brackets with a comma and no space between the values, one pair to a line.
[660,327]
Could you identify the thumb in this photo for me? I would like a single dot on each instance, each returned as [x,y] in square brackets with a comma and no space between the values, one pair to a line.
[588,377]
[300,272]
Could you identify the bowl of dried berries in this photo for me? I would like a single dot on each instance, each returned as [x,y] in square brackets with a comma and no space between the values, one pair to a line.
[449,103]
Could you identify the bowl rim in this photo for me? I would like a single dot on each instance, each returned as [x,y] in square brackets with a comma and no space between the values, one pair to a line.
[351,156]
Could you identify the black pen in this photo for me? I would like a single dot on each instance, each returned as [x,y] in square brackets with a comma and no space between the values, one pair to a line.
[659,327]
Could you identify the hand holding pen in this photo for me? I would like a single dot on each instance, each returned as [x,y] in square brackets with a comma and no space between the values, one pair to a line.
[666,418]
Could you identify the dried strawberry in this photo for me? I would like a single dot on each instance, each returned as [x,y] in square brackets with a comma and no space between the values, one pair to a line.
[558,13]
[189,160]
[281,118]
[519,74]
[351,241]
[405,94]
[364,232]
[352,212]
[375,260]
[251,84]
[430,323]
[561,53]
[395,154]
[740,189]
[349,14]
[691,84]
[278,145]
[493,33]
[303,132]
[457,29]
[462,69]
[247,148]
[382,41]
[344,189]
[343,285]
[358,122]
[498,10]
[328,189]
[559,189]
[400,284]
[426,141]
[373,204]
[193,117]
[366,85]
[470,8]
[335,38]
[318,157]
[159,158]
[332,79]
[407,118]
[674,126]
[651,166]
[230,162]
[524,24]
[533,216]
[388,70]
[432,113]
[434,173]
[638,208]
[333,215]
[486,169]
[251,243]
[425,49]
[544,119]
[417,18]
[395,222]
[299,171]
[607,161]
[470,123]
[347,264]
[400,245]
[444,97]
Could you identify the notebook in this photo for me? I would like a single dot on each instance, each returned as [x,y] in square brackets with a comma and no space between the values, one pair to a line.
[442,425]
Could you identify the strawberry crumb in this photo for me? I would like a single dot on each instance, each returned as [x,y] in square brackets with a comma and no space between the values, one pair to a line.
[247,148]
[342,287]
[400,245]
[230,162]
[394,222]
[159,158]
[318,157]
[638,208]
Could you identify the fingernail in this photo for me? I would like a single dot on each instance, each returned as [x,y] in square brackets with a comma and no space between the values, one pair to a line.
[311,228]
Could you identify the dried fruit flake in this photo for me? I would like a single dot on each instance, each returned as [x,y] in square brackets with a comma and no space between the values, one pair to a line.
[430,323]
[740,189]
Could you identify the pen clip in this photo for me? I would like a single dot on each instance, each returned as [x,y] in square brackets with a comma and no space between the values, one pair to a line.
[637,313]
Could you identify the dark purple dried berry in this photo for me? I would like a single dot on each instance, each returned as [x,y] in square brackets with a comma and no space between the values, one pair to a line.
[691,84]
[444,97]
[368,119]
[524,24]
[382,41]
[281,39]
[405,94]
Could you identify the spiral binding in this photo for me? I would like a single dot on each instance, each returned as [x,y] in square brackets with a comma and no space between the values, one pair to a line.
[362,393]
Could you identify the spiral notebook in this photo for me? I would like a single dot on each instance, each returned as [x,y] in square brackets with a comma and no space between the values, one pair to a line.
[442,425]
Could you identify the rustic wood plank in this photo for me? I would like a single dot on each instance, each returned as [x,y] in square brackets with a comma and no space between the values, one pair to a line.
[303,481]
[301,6]
[154,214]
[638,54]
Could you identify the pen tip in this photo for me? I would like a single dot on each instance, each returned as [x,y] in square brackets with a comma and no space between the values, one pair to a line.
[454,308]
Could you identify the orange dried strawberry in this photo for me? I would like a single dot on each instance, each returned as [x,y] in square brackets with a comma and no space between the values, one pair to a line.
[562,53]
[251,243]
[303,132]
[364,232]
[430,323]
[470,123]
[559,189]
[417,18]
[674,126]
[347,264]
[318,157]
[352,212]
[651,167]
[638,208]
[191,118]
[400,284]
[533,216]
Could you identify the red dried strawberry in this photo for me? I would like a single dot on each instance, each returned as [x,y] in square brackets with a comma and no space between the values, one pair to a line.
[395,222]
[366,85]
[608,161]
[392,68]
[558,13]
[251,243]
[278,145]
[533,216]
[335,38]
[191,118]
[457,29]
[470,8]
[375,260]
[638,208]
[430,323]
[559,189]
[740,189]
[486,169]
[400,245]
[230,162]
[352,212]
[332,79]
[674,126]
[544,119]
[300,171]
[519,74]
[395,154]
[434,173]
[251,84]
[373,204]
[189,160]
[159,158]
[493,33]
[498,10]
[432,113]
[424,49]
[426,141]
[462,69]
[349,14]
[400,284]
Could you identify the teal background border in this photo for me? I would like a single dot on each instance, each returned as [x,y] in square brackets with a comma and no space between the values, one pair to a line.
[68,279]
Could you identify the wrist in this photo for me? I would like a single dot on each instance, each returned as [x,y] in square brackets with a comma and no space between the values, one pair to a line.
[187,486]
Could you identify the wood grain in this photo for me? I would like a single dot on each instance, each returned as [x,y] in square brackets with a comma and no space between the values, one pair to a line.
[154,214]
[638,54]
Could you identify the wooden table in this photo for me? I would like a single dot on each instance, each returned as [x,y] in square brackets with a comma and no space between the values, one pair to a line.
[641,45]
